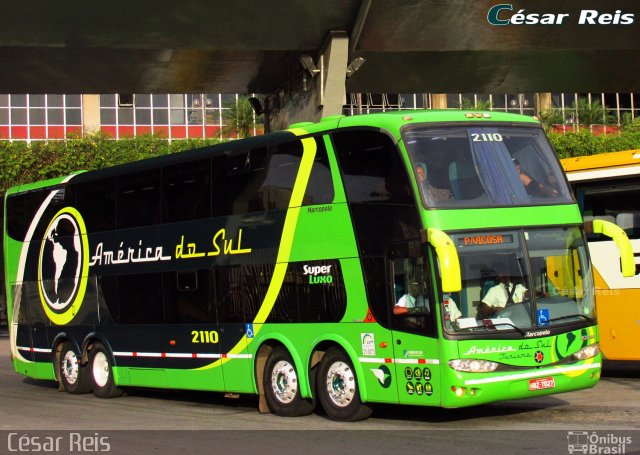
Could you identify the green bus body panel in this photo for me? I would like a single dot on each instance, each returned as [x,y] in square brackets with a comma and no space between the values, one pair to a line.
[323,232]
[451,220]
[391,366]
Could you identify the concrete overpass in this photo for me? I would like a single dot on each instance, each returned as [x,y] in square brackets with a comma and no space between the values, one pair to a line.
[242,46]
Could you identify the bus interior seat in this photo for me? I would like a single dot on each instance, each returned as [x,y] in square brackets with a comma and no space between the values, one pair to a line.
[486,285]
[464,180]
[608,218]
[630,223]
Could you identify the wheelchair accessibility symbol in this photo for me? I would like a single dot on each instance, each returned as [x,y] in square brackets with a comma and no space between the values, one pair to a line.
[543,317]
[248,328]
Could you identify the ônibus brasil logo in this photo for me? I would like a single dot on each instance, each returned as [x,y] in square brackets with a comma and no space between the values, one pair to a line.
[62,266]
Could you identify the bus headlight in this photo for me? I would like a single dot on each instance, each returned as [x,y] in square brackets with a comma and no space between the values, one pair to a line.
[473,365]
[587,352]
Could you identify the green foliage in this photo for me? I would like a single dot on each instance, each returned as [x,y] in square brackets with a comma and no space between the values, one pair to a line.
[592,113]
[551,117]
[24,163]
[585,143]
[238,118]
[631,125]
[467,105]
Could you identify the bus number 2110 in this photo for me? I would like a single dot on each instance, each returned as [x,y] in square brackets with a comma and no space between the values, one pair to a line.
[204,336]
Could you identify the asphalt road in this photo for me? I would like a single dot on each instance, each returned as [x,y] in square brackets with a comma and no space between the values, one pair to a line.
[146,421]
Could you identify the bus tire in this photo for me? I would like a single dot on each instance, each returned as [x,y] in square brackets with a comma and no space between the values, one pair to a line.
[101,369]
[338,388]
[74,377]
[281,386]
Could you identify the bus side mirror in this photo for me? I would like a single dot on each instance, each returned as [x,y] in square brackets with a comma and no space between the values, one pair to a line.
[449,261]
[622,242]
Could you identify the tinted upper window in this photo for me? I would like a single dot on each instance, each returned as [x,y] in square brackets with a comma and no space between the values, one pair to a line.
[186,191]
[371,167]
[263,179]
[97,204]
[139,199]
[22,208]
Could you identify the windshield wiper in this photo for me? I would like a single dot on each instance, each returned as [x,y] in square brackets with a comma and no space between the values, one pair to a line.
[569,316]
[492,326]
[518,329]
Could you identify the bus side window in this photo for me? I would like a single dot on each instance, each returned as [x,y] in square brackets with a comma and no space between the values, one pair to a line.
[372,168]
[139,199]
[22,208]
[630,224]
[187,297]
[140,298]
[186,191]
[228,294]
[237,177]
[375,280]
[97,204]
[412,306]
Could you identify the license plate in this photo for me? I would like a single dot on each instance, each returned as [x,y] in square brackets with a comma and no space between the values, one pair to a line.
[542,383]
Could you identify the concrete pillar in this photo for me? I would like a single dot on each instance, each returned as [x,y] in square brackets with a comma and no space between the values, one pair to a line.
[438,101]
[90,114]
[334,73]
[543,102]
[312,93]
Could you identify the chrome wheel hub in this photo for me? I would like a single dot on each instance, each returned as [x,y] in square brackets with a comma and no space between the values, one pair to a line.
[341,384]
[284,381]
[70,367]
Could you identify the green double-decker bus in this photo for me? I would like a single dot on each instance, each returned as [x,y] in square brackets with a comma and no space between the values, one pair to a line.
[432,258]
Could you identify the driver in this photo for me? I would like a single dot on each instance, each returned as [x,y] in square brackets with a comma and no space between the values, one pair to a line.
[499,296]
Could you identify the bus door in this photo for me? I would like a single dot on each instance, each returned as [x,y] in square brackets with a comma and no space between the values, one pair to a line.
[414,331]
[617,309]
[32,324]
[233,294]
[195,334]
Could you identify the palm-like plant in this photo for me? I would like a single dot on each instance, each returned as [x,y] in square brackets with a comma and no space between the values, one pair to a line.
[480,105]
[238,118]
[592,113]
[550,117]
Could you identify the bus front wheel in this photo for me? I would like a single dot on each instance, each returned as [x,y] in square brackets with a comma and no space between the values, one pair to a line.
[73,375]
[338,388]
[102,373]
[282,388]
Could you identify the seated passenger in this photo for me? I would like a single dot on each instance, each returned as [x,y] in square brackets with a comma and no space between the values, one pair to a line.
[533,187]
[432,193]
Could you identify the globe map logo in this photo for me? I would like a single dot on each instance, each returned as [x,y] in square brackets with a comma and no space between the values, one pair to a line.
[62,261]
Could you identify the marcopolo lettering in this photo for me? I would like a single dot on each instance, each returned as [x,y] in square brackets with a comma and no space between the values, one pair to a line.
[318,274]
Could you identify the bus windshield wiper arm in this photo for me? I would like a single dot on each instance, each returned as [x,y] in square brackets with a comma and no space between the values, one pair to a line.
[569,316]
[488,326]
[518,329]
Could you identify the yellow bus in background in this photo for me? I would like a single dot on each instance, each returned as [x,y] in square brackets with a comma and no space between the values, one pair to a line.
[607,186]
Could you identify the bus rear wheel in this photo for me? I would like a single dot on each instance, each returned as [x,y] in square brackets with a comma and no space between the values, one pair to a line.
[73,375]
[102,373]
[338,388]
[281,386]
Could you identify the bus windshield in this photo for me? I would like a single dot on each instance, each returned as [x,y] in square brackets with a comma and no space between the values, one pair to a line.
[473,166]
[520,279]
